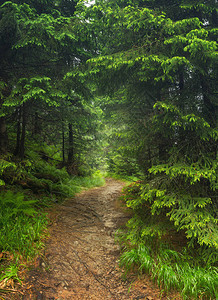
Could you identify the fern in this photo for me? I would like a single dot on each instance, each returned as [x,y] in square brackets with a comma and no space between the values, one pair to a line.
[13,204]
[5,165]
[21,226]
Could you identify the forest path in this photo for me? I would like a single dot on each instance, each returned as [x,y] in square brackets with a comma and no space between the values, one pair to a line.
[81,257]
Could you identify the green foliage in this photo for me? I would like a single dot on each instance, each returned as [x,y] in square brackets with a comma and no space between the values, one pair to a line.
[21,227]
[11,273]
[96,179]
[147,244]
[13,204]
[191,213]
[171,115]
[172,270]
[58,182]
[185,186]
[157,62]
[125,178]
[22,230]
[46,42]
[120,165]
[31,89]
[5,165]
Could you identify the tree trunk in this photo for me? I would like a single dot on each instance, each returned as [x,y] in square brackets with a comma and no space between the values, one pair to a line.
[37,127]
[181,80]
[16,151]
[3,135]
[162,152]
[72,168]
[181,88]
[71,145]
[63,144]
[21,132]
[209,110]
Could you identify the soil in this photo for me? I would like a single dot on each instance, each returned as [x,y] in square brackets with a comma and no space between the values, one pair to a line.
[81,256]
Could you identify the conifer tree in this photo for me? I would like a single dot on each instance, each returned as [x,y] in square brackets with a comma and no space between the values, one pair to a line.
[40,42]
[163,66]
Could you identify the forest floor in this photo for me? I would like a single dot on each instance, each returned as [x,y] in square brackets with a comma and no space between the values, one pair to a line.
[81,257]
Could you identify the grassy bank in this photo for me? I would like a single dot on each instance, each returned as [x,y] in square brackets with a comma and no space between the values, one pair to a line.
[27,188]
[152,244]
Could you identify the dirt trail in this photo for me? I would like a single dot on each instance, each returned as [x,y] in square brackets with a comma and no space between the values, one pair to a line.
[81,258]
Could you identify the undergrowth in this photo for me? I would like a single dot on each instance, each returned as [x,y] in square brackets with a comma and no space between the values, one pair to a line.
[123,177]
[29,186]
[151,244]
[22,230]
[21,226]
[172,270]
[57,182]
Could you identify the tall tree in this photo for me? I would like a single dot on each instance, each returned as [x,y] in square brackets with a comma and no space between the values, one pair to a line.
[165,67]
[40,42]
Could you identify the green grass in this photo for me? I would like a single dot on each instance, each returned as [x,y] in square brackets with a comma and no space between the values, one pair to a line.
[71,186]
[30,186]
[11,272]
[21,226]
[22,229]
[59,184]
[152,244]
[22,223]
[23,234]
[172,270]
[123,177]
[87,182]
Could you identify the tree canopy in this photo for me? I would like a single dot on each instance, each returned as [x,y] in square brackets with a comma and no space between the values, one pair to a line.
[161,67]
[130,85]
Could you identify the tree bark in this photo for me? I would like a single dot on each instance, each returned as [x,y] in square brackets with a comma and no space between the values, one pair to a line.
[21,132]
[181,80]
[63,144]
[3,135]
[16,151]
[209,110]
[72,168]
[71,145]
[37,127]
[3,128]
[163,146]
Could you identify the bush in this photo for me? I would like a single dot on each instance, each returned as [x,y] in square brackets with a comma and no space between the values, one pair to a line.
[149,244]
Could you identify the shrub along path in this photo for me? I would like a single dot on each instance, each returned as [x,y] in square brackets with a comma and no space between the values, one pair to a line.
[81,257]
